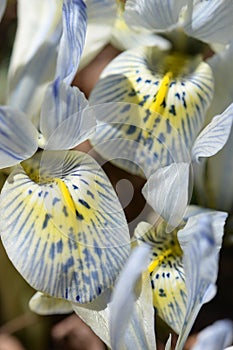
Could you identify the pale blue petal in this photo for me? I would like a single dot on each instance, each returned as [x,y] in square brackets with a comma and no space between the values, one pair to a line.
[167,192]
[72,40]
[62,225]
[210,21]
[158,15]
[18,137]
[200,241]
[101,15]
[65,120]
[33,61]
[215,337]
[123,298]
[2,8]
[215,135]
[43,304]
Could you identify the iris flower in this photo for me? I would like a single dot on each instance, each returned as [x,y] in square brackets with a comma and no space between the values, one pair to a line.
[183,271]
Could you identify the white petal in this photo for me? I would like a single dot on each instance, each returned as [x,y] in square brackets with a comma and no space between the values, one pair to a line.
[169,343]
[167,192]
[215,337]
[210,21]
[123,298]
[159,15]
[101,16]
[65,121]
[200,241]
[2,8]
[18,137]
[43,304]
[34,55]
[62,225]
[72,40]
[214,136]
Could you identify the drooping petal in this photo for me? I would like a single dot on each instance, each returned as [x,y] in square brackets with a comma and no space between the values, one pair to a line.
[18,137]
[210,21]
[214,136]
[43,304]
[215,337]
[72,40]
[65,121]
[167,192]
[157,15]
[2,8]
[166,273]
[101,15]
[63,226]
[200,241]
[171,93]
[123,300]
[34,55]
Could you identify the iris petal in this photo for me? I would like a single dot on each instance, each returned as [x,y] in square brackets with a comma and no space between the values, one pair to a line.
[18,139]
[63,226]
[43,304]
[2,8]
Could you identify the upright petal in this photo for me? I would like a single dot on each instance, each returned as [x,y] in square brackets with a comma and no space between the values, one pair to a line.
[215,337]
[72,40]
[123,300]
[101,15]
[210,21]
[65,120]
[167,192]
[158,15]
[34,55]
[18,137]
[200,241]
[172,94]
[215,135]
[63,226]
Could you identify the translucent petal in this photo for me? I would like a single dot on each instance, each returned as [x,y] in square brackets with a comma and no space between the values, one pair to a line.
[210,21]
[2,8]
[18,137]
[215,337]
[64,121]
[43,304]
[123,298]
[34,55]
[63,226]
[101,15]
[72,40]
[167,192]
[200,241]
[166,273]
[215,135]
[172,94]
[159,15]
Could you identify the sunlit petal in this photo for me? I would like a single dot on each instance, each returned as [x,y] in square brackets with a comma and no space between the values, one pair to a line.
[72,40]
[172,94]
[123,299]
[159,15]
[214,136]
[215,337]
[200,241]
[43,304]
[18,137]
[65,121]
[33,61]
[167,192]
[210,21]
[63,226]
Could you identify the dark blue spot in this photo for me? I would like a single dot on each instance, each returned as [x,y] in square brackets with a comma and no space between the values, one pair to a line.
[172,110]
[78,215]
[64,210]
[89,193]
[148,81]
[30,192]
[126,108]
[46,220]
[69,263]
[169,129]
[99,290]
[55,200]
[157,276]
[163,104]
[161,138]
[177,95]
[78,298]
[138,79]
[60,246]
[75,187]
[84,203]
[52,251]
[131,129]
